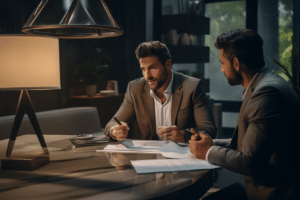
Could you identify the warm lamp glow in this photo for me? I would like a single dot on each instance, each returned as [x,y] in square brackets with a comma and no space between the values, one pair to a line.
[29,62]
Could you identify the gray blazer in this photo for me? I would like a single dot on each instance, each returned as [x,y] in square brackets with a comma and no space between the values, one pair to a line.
[189,108]
[265,144]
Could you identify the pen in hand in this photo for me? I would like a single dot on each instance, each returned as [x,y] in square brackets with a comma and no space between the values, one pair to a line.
[117,121]
[121,123]
[123,134]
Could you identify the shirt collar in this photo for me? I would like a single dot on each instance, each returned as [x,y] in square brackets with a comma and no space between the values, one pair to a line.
[247,89]
[169,88]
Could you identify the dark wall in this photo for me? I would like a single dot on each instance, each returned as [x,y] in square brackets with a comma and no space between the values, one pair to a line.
[130,15]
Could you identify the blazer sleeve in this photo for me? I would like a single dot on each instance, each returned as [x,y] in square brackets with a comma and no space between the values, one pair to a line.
[222,142]
[202,113]
[126,112]
[265,114]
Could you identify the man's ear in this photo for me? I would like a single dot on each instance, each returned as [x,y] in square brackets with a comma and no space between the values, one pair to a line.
[236,64]
[168,64]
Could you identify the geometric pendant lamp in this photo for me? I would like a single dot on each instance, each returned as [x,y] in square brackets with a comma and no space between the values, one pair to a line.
[74,19]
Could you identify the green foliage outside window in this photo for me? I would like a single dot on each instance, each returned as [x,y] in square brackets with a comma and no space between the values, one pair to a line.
[285,36]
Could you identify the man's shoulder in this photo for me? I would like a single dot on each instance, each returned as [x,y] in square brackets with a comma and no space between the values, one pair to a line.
[185,79]
[274,84]
[137,84]
[273,80]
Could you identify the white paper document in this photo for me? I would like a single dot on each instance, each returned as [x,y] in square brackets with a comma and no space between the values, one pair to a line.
[120,148]
[170,165]
[166,148]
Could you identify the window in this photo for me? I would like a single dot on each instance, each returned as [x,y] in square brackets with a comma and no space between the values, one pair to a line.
[224,16]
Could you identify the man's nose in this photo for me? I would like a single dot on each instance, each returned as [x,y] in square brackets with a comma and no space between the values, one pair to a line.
[147,75]
[222,69]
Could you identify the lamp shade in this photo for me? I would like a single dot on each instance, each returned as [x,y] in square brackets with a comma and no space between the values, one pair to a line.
[72,19]
[29,62]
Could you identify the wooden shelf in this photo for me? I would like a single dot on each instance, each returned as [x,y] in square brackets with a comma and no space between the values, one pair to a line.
[189,54]
[186,23]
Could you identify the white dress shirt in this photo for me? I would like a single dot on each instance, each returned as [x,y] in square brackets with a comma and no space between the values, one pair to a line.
[163,111]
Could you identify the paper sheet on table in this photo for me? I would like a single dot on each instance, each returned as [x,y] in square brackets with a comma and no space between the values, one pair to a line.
[166,148]
[170,165]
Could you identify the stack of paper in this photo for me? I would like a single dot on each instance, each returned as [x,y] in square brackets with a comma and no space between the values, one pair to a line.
[170,165]
[120,148]
[185,161]
[167,149]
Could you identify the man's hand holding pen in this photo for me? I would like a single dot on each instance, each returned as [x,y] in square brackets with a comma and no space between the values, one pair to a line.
[199,144]
[119,131]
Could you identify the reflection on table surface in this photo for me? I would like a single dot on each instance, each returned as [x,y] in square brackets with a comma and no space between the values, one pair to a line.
[83,173]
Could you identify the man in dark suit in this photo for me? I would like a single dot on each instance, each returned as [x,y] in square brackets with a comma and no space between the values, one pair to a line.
[265,144]
[163,103]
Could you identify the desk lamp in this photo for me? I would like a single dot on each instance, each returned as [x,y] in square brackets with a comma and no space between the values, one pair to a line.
[28,62]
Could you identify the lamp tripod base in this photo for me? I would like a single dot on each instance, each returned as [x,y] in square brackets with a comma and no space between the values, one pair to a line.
[26,160]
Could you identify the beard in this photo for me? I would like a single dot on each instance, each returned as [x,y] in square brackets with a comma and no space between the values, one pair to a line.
[234,78]
[160,81]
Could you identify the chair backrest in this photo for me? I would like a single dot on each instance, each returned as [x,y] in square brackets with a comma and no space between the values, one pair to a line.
[217,111]
[229,107]
[67,121]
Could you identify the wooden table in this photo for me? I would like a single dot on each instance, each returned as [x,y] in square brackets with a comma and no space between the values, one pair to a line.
[83,173]
[107,105]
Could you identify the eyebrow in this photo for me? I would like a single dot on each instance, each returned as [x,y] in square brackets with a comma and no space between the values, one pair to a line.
[148,66]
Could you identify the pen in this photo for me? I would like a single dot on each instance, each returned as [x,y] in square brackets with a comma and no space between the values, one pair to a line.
[117,121]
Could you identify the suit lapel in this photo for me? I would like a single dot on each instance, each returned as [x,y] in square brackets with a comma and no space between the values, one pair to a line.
[149,106]
[176,96]
[252,86]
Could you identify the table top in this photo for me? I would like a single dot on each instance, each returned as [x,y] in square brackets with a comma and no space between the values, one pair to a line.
[83,173]
[98,95]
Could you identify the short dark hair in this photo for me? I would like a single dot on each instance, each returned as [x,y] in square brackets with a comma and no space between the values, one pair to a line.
[244,44]
[153,48]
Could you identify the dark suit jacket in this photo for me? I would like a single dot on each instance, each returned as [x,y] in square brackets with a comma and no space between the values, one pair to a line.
[265,144]
[189,108]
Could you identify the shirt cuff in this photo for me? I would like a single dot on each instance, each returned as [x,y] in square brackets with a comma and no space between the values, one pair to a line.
[206,156]
[111,134]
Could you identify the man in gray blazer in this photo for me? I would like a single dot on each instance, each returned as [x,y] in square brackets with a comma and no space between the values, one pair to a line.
[163,103]
[265,144]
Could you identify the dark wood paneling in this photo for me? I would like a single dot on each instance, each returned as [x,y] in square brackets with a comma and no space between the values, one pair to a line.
[14,14]
[252,14]
[157,13]
[131,17]
[186,23]
[189,54]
